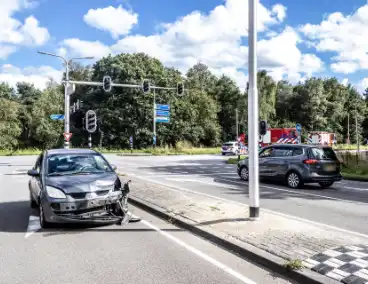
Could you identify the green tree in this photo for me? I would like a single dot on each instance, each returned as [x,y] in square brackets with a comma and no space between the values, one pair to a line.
[10,126]
[46,132]
[228,99]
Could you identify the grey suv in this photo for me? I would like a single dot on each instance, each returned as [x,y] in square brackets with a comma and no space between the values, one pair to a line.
[296,165]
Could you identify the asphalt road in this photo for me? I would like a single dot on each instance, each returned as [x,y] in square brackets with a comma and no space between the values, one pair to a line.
[344,205]
[151,251]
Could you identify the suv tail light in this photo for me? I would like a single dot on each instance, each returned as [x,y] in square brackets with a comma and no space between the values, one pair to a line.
[310,162]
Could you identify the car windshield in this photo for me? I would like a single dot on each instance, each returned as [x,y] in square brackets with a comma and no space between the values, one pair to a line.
[69,164]
[324,154]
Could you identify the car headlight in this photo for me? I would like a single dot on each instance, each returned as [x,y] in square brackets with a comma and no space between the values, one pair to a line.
[54,192]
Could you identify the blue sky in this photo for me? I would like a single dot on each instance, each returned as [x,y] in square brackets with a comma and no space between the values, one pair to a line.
[290,49]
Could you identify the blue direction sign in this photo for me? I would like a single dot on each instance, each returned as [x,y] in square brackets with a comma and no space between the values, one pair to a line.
[163,107]
[298,127]
[57,117]
[163,119]
[162,113]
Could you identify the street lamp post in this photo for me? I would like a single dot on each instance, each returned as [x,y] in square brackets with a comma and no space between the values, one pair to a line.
[253,113]
[66,94]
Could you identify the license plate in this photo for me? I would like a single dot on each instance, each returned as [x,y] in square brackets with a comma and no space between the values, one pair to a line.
[330,168]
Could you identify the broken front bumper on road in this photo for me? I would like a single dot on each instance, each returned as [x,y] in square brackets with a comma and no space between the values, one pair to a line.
[101,209]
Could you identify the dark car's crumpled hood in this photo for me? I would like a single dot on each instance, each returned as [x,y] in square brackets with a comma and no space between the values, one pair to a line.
[83,183]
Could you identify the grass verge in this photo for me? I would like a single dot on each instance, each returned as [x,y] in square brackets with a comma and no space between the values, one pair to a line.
[152,151]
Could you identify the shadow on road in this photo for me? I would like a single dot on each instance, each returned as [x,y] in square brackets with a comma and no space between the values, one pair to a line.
[81,230]
[226,174]
[14,216]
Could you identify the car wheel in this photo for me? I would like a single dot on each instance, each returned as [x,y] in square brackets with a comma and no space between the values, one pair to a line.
[43,223]
[244,173]
[326,184]
[294,180]
[223,154]
[32,201]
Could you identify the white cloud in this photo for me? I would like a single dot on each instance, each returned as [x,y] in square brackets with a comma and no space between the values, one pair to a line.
[344,35]
[39,76]
[363,85]
[85,48]
[215,39]
[13,32]
[280,11]
[345,81]
[117,21]
[6,50]
[345,67]
[33,33]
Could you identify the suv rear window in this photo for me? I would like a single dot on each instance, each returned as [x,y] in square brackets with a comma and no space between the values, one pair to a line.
[323,154]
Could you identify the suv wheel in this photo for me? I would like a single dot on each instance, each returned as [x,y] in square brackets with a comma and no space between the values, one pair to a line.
[326,184]
[244,173]
[294,180]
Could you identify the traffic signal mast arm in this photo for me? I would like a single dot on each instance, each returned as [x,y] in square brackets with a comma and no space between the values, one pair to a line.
[116,85]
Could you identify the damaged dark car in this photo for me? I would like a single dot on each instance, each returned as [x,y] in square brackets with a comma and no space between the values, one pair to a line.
[75,186]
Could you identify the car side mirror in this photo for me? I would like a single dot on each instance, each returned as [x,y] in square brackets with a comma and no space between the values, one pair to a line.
[114,167]
[33,173]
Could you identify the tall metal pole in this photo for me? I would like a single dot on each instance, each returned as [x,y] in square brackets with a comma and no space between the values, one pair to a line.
[356,129]
[348,128]
[237,124]
[253,113]
[66,104]
[154,117]
[66,94]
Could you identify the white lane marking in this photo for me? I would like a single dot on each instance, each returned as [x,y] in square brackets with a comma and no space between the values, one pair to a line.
[297,192]
[178,188]
[187,174]
[201,254]
[195,180]
[356,188]
[33,225]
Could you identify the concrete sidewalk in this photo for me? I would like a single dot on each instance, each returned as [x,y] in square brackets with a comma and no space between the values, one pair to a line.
[276,240]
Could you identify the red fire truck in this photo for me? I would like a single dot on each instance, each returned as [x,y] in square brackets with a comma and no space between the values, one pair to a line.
[275,136]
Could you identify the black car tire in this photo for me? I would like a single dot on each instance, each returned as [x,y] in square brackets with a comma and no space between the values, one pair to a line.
[43,223]
[33,202]
[223,154]
[294,180]
[326,184]
[244,173]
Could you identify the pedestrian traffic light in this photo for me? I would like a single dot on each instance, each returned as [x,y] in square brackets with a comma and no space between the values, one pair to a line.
[106,83]
[91,121]
[180,89]
[263,127]
[146,86]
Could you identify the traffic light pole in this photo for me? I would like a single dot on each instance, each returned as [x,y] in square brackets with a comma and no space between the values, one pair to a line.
[90,141]
[154,118]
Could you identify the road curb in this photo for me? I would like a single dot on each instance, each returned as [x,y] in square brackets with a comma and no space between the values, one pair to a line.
[244,250]
[134,154]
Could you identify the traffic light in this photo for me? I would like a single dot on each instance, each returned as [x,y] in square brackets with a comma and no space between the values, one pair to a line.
[263,127]
[106,83]
[146,86]
[91,121]
[180,89]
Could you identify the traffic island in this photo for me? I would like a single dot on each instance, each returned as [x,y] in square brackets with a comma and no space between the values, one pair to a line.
[302,251]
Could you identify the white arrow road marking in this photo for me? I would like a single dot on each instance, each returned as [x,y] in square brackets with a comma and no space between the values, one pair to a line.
[33,225]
